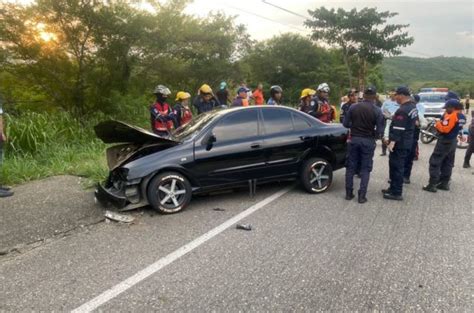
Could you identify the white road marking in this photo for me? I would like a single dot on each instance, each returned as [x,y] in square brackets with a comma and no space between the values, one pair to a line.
[173,256]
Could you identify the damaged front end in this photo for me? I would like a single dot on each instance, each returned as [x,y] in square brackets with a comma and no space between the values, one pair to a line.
[118,189]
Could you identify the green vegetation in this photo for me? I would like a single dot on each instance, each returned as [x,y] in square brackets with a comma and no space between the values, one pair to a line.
[66,65]
[453,72]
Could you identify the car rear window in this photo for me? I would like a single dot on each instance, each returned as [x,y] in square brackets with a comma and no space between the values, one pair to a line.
[300,122]
[277,121]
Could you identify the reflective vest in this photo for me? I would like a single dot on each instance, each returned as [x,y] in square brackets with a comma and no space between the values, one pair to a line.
[160,117]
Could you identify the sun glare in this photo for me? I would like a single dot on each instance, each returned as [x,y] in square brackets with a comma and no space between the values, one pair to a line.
[43,34]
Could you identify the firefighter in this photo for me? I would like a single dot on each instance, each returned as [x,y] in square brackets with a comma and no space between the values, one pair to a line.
[365,121]
[324,112]
[205,100]
[160,112]
[183,114]
[442,158]
[400,141]
[306,103]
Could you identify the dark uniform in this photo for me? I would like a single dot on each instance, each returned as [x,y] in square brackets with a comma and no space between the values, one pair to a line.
[365,121]
[401,132]
[470,148]
[442,158]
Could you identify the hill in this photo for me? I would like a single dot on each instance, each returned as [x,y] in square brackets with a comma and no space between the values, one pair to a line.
[408,70]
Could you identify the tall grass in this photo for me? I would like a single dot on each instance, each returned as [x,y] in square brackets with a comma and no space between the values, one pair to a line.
[42,145]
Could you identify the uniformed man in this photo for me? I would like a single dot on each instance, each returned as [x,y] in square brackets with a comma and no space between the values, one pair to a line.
[470,148]
[400,140]
[442,158]
[365,121]
[351,99]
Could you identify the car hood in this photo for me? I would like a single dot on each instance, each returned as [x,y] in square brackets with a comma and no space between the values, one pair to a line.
[120,132]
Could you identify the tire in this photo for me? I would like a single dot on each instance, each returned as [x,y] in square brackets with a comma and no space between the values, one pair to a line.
[309,175]
[166,184]
[426,139]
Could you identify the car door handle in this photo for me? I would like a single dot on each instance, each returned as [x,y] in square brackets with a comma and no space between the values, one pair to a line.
[255,145]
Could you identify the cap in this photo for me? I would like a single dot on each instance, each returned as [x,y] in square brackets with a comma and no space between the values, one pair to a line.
[452,103]
[416,98]
[352,92]
[242,89]
[402,90]
[451,95]
[370,90]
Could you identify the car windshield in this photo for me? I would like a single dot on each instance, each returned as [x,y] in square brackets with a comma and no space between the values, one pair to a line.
[432,98]
[193,127]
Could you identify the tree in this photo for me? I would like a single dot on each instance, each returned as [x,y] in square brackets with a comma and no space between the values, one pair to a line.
[364,36]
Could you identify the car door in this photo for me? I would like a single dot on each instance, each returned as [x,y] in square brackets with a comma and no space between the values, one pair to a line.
[287,136]
[235,154]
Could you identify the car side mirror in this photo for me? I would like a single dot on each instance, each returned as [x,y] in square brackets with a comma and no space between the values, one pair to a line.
[210,142]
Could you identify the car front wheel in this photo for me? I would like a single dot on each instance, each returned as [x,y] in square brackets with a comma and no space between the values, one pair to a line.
[316,175]
[169,192]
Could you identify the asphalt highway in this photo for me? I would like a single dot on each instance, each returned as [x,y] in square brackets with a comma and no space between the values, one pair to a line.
[304,253]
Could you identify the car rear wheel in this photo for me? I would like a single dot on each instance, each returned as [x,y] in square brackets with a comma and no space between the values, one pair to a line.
[169,192]
[316,175]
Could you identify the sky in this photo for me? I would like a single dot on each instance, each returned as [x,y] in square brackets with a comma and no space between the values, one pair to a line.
[443,27]
[439,27]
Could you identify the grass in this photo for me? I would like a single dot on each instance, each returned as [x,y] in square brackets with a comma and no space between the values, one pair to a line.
[44,145]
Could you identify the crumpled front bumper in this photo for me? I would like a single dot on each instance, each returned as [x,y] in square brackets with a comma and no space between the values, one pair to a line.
[108,196]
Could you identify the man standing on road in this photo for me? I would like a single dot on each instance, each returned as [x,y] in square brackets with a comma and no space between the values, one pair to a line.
[365,121]
[223,93]
[412,154]
[4,191]
[258,95]
[470,148]
[400,140]
[442,159]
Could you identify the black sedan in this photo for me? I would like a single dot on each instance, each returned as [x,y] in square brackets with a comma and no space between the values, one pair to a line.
[218,150]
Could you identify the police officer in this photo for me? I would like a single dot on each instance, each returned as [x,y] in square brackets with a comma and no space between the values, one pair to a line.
[400,141]
[412,153]
[442,159]
[365,121]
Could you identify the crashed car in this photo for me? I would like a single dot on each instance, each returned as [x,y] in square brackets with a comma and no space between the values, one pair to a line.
[218,150]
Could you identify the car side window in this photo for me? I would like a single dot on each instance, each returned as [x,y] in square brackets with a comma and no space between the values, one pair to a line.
[299,122]
[277,121]
[239,125]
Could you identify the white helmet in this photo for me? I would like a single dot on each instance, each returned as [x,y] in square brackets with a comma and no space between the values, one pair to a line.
[324,87]
[161,89]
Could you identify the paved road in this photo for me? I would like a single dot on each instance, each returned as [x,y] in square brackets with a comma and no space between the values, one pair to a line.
[305,253]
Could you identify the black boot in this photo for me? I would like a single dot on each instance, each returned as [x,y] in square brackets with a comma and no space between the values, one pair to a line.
[362,198]
[5,193]
[430,187]
[349,194]
[466,165]
[406,181]
[443,186]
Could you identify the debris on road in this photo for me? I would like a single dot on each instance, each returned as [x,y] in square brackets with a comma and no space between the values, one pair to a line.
[244,226]
[218,209]
[121,218]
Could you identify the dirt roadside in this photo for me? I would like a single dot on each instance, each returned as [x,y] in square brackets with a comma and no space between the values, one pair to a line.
[44,209]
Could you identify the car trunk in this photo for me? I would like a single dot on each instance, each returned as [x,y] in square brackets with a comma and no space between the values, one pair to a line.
[134,142]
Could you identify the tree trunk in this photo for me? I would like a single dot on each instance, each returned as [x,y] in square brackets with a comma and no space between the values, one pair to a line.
[348,68]
[362,73]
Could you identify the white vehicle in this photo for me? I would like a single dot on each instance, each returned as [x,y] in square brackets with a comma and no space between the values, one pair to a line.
[433,100]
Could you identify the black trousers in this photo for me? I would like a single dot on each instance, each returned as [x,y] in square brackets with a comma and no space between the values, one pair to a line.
[396,165]
[470,148]
[411,155]
[442,161]
[360,160]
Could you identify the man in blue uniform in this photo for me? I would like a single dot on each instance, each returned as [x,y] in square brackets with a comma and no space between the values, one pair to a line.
[442,159]
[365,120]
[400,140]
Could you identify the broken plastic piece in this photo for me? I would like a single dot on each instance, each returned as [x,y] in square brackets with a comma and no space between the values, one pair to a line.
[244,226]
[122,218]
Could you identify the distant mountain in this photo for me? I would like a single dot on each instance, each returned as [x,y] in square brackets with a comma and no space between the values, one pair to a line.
[407,70]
